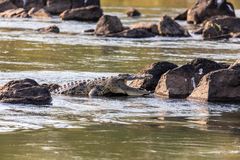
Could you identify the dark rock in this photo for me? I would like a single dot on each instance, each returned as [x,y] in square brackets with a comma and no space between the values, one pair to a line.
[25,91]
[150,27]
[204,66]
[156,70]
[50,29]
[205,9]
[39,13]
[108,25]
[132,12]
[14,13]
[168,27]
[220,27]
[176,83]
[89,31]
[219,86]
[29,4]
[58,6]
[90,13]
[51,87]
[182,16]
[133,33]
[93,3]
[6,5]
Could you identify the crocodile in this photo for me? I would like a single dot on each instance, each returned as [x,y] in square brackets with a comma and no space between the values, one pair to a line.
[105,86]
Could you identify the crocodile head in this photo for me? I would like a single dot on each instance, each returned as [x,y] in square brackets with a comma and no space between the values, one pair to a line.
[119,84]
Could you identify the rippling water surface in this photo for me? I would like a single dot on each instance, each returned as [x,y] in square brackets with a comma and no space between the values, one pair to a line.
[111,128]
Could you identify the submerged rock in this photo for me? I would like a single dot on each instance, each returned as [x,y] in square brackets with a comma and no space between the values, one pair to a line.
[156,70]
[150,27]
[205,9]
[219,86]
[168,27]
[90,13]
[108,25]
[25,91]
[133,12]
[50,29]
[132,33]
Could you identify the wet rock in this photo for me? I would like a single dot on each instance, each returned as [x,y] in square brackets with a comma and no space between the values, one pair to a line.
[220,27]
[204,66]
[205,9]
[92,3]
[39,13]
[236,65]
[25,91]
[182,16]
[108,25]
[50,29]
[176,83]
[168,27]
[90,13]
[151,27]
[133,12]
[6,5]
[15,13]
[156,70]
[219,86]
[133,33]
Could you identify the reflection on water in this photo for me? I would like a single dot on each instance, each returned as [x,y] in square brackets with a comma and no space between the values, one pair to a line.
[111,128]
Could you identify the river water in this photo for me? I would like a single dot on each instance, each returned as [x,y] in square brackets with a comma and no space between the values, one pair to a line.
[111,128]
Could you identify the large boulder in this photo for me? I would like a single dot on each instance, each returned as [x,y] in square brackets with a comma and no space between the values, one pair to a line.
[90,13]
[156,70]
[6,5]
[176,83]
[180,82]
[25,91]
[108,25]
[39,13]
[220,27]
[219,86]
[205,9]
[132,33]
[15,13]
[58,6]
[168,27]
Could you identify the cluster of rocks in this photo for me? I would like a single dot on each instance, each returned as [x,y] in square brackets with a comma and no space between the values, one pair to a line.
[200,79]
[111,26]
[217,19]
[80,10]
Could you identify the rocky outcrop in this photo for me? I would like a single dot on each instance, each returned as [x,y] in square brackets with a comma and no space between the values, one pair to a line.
[219,86]
[156,70]
[133,12]
[220,27]
[25,91]
[180,82]
[50,29]
[15,13]
[90,13]
[168,27]
[6,5]
[39,13]
[205,9]
[133,33]
[108,25]
[150,27]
